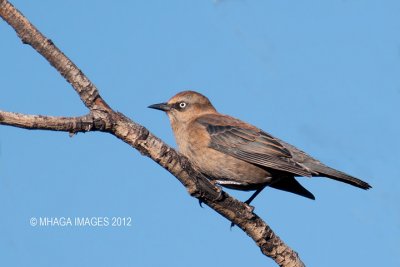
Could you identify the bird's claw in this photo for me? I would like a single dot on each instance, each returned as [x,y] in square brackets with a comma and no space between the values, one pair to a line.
[201,203]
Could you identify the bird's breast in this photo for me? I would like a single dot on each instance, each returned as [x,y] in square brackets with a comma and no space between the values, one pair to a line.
[193,142]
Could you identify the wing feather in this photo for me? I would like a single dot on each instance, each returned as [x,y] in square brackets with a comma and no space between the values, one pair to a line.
[245,142]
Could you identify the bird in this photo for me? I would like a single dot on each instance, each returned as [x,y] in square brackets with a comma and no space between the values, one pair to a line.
[237,155]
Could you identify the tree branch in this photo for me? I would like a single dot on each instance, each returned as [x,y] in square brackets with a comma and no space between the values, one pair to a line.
[38,122]
[103,118]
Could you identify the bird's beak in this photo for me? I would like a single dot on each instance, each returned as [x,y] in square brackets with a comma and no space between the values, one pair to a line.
[161,106]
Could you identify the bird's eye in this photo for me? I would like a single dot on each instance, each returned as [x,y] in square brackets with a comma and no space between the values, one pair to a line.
[182,105]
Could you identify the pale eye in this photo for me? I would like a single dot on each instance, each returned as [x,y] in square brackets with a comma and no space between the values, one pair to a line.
[182,105]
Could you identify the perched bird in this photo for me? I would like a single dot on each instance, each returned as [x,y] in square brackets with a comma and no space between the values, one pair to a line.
[238,155]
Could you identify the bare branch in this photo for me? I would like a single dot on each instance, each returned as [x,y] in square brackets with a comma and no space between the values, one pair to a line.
[103,118]
[65,124]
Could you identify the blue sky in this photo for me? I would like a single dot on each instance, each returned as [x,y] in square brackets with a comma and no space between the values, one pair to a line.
[321,75]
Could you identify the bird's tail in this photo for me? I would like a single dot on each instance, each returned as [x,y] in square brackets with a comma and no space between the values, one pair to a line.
[326,171]
[290,184]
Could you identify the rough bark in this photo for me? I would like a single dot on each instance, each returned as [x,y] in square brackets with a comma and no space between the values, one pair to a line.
[103,118]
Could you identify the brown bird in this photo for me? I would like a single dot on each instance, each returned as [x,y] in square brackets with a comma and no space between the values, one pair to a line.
[238,155]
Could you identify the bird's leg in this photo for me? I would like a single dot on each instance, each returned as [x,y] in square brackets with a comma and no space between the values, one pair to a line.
[258,191]
[253,196]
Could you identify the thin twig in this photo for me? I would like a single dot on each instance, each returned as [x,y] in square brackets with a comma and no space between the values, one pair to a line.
[38,122]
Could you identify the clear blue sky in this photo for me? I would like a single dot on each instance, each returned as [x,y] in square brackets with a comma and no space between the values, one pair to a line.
[322,75]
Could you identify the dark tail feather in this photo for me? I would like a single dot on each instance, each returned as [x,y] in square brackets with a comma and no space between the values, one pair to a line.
[337,175]
[290,184]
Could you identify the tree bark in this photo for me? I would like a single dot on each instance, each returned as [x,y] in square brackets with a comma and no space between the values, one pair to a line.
[101,117]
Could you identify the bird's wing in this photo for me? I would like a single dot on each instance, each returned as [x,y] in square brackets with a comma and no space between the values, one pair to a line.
[243,141]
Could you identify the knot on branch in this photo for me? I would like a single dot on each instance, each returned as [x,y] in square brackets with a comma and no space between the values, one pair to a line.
[141,142]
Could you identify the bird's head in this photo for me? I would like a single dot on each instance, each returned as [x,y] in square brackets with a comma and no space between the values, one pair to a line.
[185,106]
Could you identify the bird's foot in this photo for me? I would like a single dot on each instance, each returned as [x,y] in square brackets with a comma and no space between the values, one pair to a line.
[248,208]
